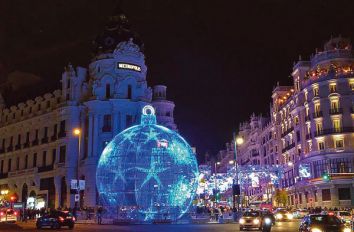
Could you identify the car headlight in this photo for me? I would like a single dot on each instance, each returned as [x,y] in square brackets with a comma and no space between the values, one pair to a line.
[347,230]
[279,216]
[316,230]
[256,221]
[242,221]
[289,216]
[268,221]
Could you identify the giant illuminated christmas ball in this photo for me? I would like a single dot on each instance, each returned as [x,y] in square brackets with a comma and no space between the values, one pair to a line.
[147,172]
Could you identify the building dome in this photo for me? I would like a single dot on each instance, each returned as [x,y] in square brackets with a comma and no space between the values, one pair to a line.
[148,172]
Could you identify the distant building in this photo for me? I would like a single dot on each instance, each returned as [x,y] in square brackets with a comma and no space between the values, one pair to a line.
[311,130]
[38,150]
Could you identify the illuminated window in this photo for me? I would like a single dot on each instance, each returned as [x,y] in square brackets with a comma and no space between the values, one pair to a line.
[307,111]
[317,108]
[339,143]
[296,119]
[306,95]
[336,125]
[319,128]
[315,91]
[351,85]
[334,105]
[332,88]
[321,145]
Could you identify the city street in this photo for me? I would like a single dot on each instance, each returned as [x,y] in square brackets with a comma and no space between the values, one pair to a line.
[280,227]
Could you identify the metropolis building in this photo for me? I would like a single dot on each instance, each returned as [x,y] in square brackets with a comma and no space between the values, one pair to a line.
[40,155]
[310,132]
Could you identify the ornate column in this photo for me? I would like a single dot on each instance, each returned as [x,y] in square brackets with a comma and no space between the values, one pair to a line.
[90,131]
[95,134]
[57,184]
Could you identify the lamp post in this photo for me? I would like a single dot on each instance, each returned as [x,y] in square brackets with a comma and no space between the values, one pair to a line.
[237,141]
[77,133]
[215,175]
[291,164]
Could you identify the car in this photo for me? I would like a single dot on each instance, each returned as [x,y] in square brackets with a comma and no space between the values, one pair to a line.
[8,215]
[268,214]
[283,215]
[56,220]
[344,216]
[322,223]
[251,220]
[300,213]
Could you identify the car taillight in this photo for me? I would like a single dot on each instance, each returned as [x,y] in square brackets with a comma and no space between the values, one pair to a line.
[15,213]
[74,218]
[2,214]
[61,219]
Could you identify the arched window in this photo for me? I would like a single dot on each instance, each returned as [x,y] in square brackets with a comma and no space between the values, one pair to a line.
[129,93]
[108,90]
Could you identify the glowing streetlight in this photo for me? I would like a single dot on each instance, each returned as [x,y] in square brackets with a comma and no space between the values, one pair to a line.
[231,162]
[239,140]
[290,164]
[77,133]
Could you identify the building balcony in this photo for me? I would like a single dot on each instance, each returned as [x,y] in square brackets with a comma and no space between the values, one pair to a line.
[335,111]
[35,142]
[330,55]
[255,154]
[44,140]
[10,148]
[4,175]
[46,168]
[26,145]
[54,138]
[335,131]
[61,134]
[106,129]
[290,146]
[317,114]
[287,131]
[18,147]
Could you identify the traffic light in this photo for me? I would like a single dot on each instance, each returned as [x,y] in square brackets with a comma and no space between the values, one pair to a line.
[326,177]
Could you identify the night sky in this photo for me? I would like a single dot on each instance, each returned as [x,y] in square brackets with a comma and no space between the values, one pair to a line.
[219,59]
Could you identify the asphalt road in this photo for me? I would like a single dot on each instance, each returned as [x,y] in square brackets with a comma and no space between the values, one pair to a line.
[280,227]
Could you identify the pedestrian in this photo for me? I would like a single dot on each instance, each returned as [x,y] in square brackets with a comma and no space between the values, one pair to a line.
[99,215]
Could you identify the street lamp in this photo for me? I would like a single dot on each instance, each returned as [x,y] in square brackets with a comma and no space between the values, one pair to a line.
[77,133]
[291,164]
[215,174]
[237,141]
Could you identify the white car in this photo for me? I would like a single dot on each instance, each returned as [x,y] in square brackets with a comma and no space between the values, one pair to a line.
[300,213]
[8,215]
[251,220]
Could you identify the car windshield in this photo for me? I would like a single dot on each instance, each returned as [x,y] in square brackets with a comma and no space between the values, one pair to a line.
[282,211]
[344,213]
[251,214]
[9,211]
[325,219]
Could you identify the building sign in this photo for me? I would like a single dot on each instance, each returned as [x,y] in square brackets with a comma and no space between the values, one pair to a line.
[132,67]
[304,170]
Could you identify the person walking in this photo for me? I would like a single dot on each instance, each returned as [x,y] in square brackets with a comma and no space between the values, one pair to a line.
[99,215]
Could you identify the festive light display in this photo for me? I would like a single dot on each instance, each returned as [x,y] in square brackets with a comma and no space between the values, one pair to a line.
[147,172]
